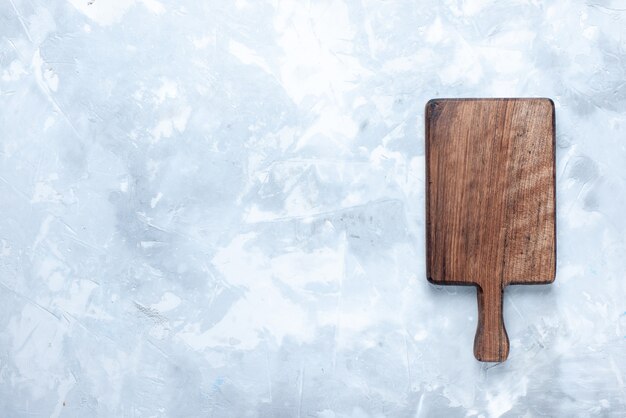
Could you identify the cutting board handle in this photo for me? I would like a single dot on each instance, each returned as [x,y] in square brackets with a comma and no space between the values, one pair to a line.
[491,342]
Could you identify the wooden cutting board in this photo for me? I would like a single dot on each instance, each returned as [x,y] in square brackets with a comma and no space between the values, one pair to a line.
[490,202]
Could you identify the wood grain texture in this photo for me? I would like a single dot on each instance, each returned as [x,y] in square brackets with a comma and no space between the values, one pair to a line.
[490,202]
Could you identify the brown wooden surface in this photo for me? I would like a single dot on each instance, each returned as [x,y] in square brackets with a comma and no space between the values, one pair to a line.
[490,202]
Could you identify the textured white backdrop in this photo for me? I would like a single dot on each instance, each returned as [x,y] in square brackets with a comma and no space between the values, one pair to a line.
[215,208]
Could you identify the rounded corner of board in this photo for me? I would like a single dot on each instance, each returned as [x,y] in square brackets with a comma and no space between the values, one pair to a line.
[432,280]
[548,103]
[430,105]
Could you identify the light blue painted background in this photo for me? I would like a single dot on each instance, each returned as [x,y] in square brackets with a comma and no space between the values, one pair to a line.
[214,208]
